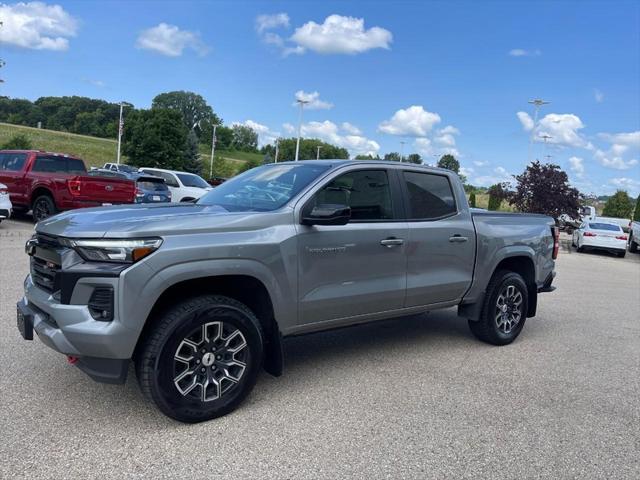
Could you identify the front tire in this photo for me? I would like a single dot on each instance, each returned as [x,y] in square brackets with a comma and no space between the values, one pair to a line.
[201,359]
[504,311]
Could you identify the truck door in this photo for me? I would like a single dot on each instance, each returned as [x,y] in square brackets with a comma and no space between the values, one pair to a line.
[359,268]
[441,242]
[12,175]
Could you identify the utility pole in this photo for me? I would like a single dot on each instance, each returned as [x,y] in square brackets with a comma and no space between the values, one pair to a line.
[402,142]
[302,103]
[537,103]
[318,152]
[277,149]
[213,149]
[120,127]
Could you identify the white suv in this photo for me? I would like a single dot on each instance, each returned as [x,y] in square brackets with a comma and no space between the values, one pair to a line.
[184,186]
[5,203]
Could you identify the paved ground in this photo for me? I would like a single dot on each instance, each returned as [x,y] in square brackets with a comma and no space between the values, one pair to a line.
[411,398]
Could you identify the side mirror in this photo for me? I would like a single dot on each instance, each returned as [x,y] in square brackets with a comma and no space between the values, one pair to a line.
[327,215]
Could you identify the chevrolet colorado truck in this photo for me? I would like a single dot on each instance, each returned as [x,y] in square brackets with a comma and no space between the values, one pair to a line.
[47,183]
[199,296]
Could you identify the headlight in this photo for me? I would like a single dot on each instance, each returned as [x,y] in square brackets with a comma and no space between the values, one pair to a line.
[119,251]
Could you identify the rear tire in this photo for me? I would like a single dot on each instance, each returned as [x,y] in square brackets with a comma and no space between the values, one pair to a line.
[504,311]
[201,358]
[633,246]
[43,207]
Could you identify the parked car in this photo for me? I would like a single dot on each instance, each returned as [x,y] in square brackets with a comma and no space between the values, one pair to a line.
[599,235]
[5,203]
[204,292]
[149,189]
[184,187]
[120,167]
[48,183]
[215,181]
[634,236]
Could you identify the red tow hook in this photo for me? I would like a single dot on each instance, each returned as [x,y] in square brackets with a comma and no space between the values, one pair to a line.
[72,360]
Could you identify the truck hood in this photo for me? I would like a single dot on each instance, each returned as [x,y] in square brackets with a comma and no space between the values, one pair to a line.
[147,220]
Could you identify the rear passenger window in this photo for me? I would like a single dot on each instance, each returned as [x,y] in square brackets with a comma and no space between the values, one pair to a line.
[430,196]
[367,192]
[12,161]
[75,165]
[50,165]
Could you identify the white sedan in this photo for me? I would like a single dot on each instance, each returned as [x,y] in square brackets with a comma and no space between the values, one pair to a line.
[599,235]
[5,203]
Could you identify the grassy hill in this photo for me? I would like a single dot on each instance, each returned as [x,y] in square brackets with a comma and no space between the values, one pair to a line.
[98,151]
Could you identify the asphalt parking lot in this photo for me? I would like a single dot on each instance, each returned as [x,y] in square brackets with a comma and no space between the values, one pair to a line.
[417,397]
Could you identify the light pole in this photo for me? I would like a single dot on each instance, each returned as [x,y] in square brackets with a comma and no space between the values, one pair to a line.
[537,103]
[120,125]
[545,137]
[402,149]
[318,152]
[302,103]
[277,148]
[213,149]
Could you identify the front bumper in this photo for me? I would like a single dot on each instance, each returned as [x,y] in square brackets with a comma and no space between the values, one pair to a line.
[5,213]
[71,330]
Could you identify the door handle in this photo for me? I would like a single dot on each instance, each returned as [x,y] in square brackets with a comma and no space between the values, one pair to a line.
[457,238]
[391,242]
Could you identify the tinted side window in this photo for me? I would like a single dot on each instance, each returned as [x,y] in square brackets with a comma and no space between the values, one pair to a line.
[430,196]
[12,161]
[50,165]
[367,192]
[75,165]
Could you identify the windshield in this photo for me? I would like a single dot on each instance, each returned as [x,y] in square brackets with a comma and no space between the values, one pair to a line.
[605,226]
[190,180]
[127,169]
[263,189]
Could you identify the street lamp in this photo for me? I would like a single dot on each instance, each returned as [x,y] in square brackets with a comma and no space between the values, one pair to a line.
[302,103]
[401,149]
[537,103]
[318,152]
[277,149]
[213,148]
[120,126]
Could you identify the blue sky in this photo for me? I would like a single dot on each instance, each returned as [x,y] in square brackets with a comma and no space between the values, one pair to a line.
[440,76]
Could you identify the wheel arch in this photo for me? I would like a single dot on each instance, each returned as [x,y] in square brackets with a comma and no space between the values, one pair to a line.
[247,289]
[520,262]
[39,191]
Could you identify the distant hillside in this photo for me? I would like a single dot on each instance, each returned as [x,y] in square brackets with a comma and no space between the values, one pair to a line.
[98,151]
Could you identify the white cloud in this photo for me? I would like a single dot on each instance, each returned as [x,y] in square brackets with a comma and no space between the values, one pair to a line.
[526,121]
[631,185]
[598,96]
[498,175]
[265,134]
[608,160]
[37,26]
[577,166]
[350,129]
[330,133]
[169,40]
[268,22]
[314,101]
[480,163]
[339,34]
[94,82]
[629,139]
[414,121]
[520,52]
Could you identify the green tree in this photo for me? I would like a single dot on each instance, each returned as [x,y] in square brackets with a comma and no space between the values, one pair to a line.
[18,142]
[223,168]
[308,150]
[619,205]
[367,157]
[193,109]
[449,162]
[497,193]
[192,160]
[244,138]
[545,188]
[155,138]
[472,200]
[636,213]
[392,156]
[415,158]
[249,164]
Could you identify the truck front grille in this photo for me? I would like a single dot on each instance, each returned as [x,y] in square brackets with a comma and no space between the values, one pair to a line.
[44,274]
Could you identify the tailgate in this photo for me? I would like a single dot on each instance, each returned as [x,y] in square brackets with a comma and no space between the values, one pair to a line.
[106,190]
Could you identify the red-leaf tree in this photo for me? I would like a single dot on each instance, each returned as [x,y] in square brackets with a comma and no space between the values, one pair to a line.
[544,188]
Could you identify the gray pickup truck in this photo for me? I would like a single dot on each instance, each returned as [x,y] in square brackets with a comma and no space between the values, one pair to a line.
[199,296]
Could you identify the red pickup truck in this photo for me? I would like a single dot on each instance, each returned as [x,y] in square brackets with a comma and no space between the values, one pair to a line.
[48,183]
